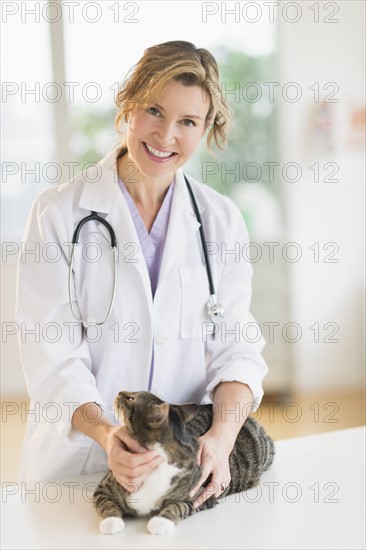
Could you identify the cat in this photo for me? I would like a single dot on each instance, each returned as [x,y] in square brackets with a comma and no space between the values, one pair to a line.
[173,431]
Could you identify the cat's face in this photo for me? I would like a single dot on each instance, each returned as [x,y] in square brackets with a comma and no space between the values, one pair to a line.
[140,410]
[148,418]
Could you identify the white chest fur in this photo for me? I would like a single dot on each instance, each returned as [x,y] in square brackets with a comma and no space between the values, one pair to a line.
[154,486]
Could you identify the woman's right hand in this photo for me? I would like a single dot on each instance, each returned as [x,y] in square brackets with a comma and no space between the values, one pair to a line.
[129,461]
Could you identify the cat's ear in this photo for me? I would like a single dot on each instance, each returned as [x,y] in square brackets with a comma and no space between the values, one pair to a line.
[157,414]
[187,411]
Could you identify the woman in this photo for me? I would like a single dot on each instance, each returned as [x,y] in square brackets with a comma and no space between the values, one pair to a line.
[158,336]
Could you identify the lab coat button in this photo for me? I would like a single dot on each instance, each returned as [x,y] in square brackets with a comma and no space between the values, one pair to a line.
[160,339]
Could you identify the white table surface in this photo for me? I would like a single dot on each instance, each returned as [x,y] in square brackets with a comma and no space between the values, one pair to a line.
[312,497]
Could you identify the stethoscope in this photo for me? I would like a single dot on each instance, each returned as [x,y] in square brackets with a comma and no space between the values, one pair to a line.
[214,310]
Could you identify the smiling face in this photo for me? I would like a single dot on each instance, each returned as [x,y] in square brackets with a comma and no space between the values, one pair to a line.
[161,138]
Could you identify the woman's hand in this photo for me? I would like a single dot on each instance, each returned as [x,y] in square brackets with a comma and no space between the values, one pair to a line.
[129,461]
[216,445]
[213,457]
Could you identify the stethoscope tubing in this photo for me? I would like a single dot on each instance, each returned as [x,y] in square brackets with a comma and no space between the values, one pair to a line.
[214,310]
[75,243]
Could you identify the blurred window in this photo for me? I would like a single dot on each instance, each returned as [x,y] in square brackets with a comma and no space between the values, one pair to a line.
[28,143]
[98,45]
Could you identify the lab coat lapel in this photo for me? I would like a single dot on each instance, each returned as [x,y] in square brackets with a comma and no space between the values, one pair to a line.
[182,227]
[105,197]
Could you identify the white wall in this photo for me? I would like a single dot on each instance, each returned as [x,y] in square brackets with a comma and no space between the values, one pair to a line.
[11,374]
[325,212]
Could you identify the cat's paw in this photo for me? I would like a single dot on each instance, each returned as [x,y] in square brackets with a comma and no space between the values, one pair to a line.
[160,526]
[111,525]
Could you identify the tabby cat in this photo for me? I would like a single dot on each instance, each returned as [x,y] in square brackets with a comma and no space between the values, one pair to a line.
[173,430]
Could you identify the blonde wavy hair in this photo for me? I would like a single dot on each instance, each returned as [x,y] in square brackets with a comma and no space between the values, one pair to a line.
[182,62]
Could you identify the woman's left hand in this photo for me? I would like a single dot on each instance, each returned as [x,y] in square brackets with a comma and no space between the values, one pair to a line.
[213,457]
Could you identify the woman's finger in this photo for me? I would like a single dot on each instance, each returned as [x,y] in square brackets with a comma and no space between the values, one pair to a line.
[205,473]
[119,454]
[129,441]
[131,467]
[131,485]
[134,460]
[214,488]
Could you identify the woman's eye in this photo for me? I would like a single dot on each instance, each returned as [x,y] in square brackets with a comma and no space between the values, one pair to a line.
[153,110]
[190,122]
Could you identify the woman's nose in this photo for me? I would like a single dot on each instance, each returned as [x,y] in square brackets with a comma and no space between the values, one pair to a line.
[166,134]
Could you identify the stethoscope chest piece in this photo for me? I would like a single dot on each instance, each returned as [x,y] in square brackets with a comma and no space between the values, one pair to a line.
[215,311]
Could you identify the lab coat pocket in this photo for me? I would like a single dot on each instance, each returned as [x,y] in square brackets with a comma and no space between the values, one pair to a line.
[195,294]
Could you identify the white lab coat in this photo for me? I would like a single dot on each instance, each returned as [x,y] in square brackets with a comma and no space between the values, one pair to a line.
[63,371]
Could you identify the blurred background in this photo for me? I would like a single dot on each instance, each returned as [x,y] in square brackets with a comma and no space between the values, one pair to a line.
[294,74]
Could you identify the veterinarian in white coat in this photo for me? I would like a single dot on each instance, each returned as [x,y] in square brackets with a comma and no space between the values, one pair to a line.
[62,369]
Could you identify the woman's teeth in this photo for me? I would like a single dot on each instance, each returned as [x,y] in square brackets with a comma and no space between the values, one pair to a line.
[156,153]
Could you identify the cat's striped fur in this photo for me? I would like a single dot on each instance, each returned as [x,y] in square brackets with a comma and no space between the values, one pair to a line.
[173,430]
